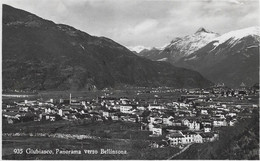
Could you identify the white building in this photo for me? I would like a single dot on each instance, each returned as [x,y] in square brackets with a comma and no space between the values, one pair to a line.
[155,106]
[204,112]
[175,138]
[125,108]
[188,137]
[198,138]
[191,124]
[219,122]
[157,130]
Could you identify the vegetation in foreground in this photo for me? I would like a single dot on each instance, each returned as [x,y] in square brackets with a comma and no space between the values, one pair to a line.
[114,135]
[240,142]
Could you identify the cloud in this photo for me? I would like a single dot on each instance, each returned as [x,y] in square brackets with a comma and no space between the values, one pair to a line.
[145,22]
[61,7]
[235,2]
[145,26]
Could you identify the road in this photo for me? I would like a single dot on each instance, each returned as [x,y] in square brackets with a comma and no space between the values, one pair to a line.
[183,150]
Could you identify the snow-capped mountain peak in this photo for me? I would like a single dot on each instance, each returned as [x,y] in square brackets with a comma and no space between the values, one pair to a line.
[202,29]
[231,58]
[139,48]
[238,34]
[184,46]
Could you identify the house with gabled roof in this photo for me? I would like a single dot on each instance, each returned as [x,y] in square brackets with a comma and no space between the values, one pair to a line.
[191,123]
[207,128]
[164,116]
[167,119]
[175,138]
[157,130]
[232,122]
[198,138]
[219,122]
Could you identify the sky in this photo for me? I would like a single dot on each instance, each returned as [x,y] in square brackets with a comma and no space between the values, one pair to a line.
[150,23]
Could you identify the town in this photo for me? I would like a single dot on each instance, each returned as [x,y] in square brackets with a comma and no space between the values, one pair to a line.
[194,117]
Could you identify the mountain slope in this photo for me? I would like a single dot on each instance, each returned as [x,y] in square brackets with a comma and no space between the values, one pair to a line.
[184,46]
[138,49]
[147,52]
[39,54]
[232,58]
[150,53]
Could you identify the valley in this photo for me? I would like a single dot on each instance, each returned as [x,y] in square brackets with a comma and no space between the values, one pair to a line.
[71,95]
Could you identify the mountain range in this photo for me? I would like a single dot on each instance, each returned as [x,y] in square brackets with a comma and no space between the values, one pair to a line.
[231,58]
[41,55]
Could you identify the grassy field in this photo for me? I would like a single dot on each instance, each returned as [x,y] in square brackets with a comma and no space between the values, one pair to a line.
[135,149]
[113,135]
[89,95]
[254,98]
[115,129]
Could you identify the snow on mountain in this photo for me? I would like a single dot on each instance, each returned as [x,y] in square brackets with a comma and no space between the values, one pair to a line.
[184,48]
[181,47]
[163,47]
[138,49]
[231,58]
[163,59]
[190,43]
[203,30]
[235,36]
[191,58]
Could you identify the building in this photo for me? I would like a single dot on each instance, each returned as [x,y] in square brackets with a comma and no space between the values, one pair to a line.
[191,124]
[175,138]
[157,130]
[125,108]
[219,122]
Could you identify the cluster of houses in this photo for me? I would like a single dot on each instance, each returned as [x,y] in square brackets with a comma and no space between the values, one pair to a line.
[194,118]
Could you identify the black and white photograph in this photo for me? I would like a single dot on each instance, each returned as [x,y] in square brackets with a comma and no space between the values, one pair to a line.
[130,79]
